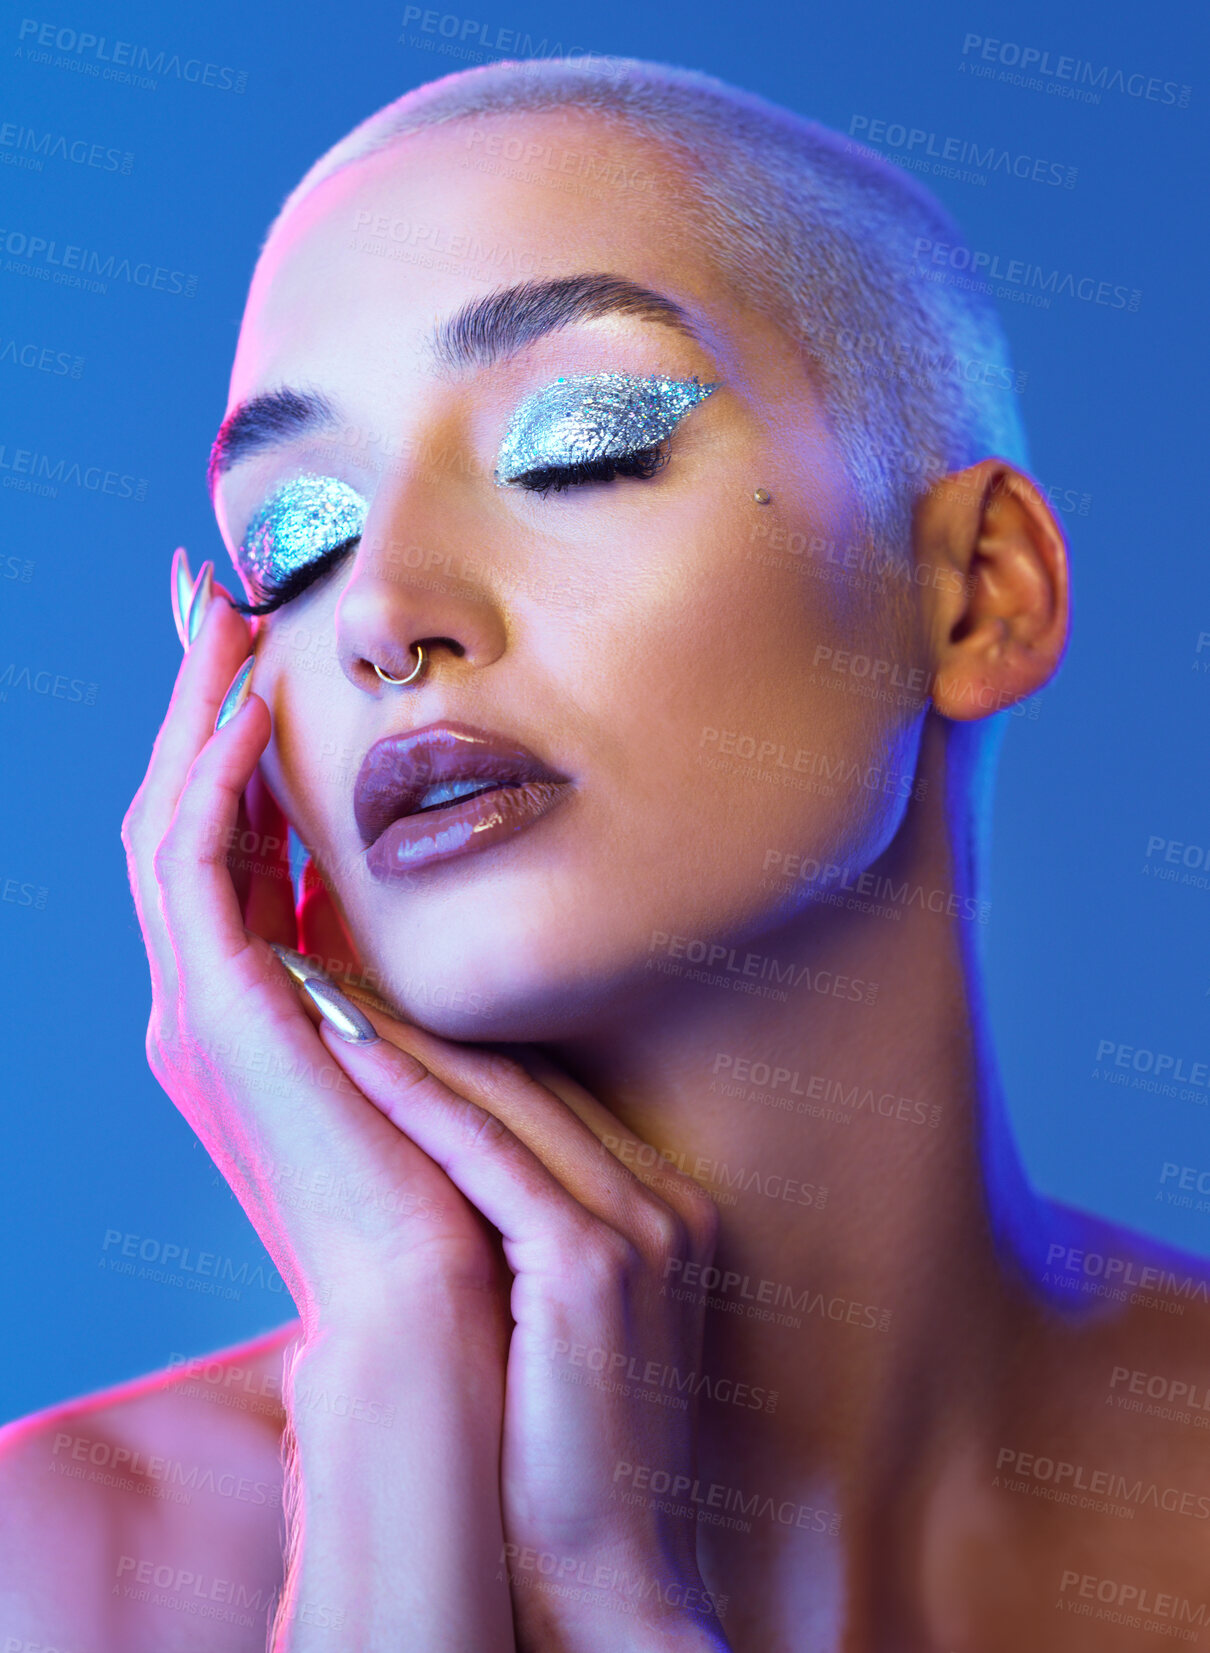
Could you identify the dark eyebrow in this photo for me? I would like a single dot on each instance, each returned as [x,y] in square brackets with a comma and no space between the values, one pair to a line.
[505,321]
[265,422]
[483,331]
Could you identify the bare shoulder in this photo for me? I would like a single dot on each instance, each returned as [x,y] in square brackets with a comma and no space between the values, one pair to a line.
[1105,1446]
[1131,1306]
[1075,1517]
[148,1515]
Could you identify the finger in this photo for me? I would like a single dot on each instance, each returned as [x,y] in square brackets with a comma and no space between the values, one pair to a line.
[638,1201]
[205,674]
[534,1097]
[660,1168]
[495,1076]
[196,894]
[542,1224]
[585,1106]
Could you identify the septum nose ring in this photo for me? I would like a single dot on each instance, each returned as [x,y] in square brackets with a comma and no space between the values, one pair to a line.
[412,676]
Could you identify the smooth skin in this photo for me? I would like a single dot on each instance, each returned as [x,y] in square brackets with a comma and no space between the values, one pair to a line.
[528,1172]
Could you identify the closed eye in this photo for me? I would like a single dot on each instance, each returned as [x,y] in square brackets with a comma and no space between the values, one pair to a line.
[594,427]
[299,579]
[643,463]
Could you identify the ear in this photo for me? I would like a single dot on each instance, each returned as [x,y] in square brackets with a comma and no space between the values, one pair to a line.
[999,570]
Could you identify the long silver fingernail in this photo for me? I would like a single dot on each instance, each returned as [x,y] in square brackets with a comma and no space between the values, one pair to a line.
[241,688]
[182,590]
[341,1014]
[298,965]
[199,602]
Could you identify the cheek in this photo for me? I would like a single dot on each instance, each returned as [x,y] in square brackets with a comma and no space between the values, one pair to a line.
[312,758]
[761,648]
[754,719]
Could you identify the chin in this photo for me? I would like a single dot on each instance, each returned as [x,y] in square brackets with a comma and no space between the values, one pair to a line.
[521,1013]
[500,985]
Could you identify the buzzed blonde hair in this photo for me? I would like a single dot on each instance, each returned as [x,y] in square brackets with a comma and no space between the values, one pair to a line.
[817,231]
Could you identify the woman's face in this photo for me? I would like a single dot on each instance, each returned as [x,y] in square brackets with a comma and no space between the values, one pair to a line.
[658,643]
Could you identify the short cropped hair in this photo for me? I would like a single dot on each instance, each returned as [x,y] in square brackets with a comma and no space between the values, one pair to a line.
[814,229]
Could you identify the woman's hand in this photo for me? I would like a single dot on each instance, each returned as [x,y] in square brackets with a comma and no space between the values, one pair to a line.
[229,1038]
[397,1277]
[598,1341]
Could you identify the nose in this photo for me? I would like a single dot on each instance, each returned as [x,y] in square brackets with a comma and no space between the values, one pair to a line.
[415,580]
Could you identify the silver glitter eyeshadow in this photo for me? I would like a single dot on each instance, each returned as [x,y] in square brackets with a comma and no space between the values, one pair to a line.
[594,416]
[299,522]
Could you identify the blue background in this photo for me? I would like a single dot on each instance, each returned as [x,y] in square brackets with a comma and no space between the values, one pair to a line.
[1082,946]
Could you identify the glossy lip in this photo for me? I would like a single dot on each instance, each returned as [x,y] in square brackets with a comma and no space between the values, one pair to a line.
[398,770]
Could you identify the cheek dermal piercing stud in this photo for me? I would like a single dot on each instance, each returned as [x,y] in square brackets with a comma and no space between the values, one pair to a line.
[762,496]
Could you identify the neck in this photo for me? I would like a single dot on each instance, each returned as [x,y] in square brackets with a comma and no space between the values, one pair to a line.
[844,1143]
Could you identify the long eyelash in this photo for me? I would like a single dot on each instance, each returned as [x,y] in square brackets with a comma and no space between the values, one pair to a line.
[296,583]
[643,463]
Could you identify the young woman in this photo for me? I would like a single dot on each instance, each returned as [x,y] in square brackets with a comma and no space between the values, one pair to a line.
[637,573]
